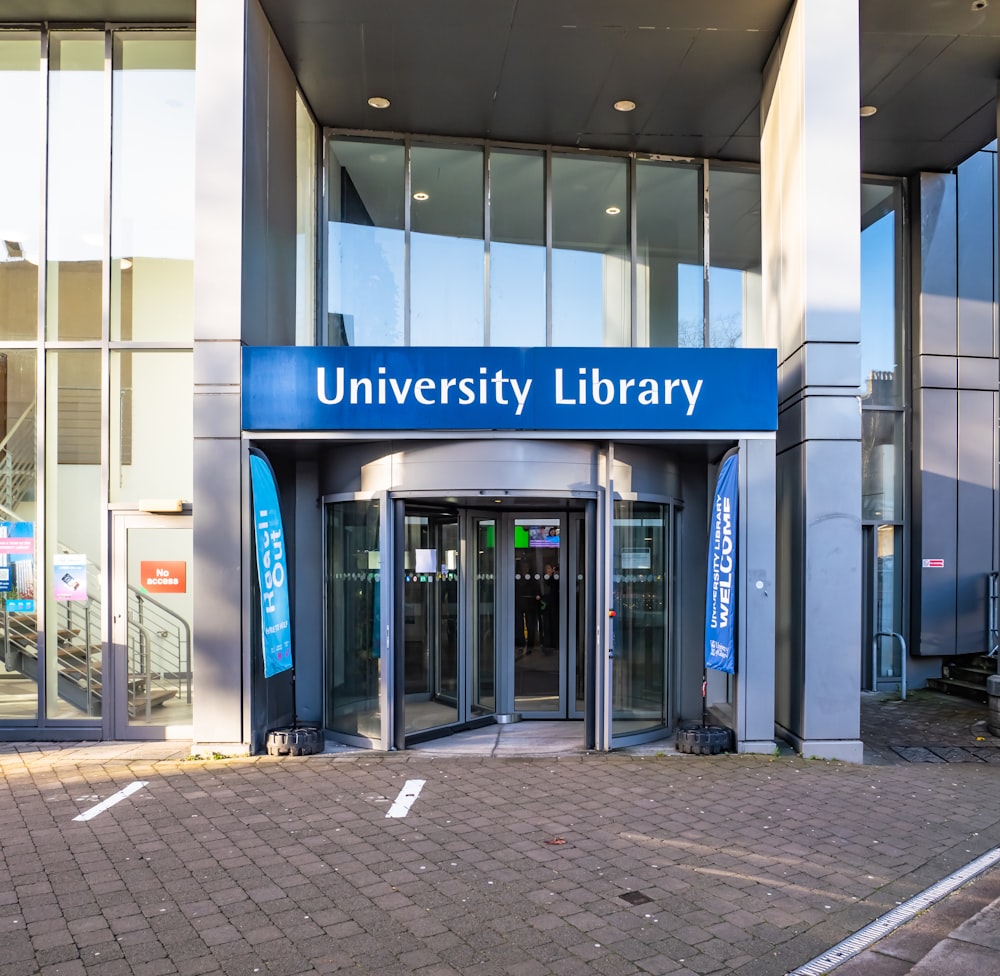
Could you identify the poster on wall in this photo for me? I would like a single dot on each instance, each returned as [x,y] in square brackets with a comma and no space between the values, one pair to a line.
[720,597]
[17,566]
[269,541]
[69,576]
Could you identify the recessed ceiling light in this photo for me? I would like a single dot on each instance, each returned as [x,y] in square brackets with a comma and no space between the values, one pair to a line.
[613,211]
[867,111]
[421,196]
[624,105]
[377,101]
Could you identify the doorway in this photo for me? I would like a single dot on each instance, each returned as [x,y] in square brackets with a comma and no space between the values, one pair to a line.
[490,624]
[150,679]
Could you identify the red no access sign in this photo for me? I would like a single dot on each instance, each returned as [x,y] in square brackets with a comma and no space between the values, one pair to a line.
[163,576]
[933,564]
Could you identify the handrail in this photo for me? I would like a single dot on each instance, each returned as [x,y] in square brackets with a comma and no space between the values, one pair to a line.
[902,657]
[141,599]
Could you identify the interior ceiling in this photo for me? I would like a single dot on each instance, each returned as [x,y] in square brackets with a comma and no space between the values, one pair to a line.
[548,72]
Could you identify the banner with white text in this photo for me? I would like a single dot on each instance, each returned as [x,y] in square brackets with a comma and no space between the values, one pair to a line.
[720,598]
[275,620]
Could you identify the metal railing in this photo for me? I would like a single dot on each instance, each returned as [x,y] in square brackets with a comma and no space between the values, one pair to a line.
[902,657]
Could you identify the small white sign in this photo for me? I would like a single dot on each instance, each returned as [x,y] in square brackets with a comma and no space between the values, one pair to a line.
[933,564]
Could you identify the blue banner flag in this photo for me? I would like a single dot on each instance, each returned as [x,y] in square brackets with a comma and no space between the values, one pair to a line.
[720,598]
[269,540]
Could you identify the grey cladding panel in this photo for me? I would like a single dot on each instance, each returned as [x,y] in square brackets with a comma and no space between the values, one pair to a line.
[939,284]
[976,516]
[935,521]
[976,257]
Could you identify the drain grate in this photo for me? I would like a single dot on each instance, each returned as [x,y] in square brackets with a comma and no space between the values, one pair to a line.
[882,926]
[635,898]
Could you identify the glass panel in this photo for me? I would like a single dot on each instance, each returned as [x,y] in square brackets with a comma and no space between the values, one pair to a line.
[670,264]
[639,597]
[353,561]
[74,517]
[888,598]
[881,332]
[305,225]
[581,615]
[430,619]
[537,579]
[365,243]
[158,684]
[517,248]
[881,465]
[77,170]
[446,247]
[484,701]
[734,296]
[152,186]
[152,425]
[18,516]
[20,186]
[590,252]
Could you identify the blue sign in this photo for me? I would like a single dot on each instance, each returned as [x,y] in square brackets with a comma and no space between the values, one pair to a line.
[275,620]
[720,598]
[478,388]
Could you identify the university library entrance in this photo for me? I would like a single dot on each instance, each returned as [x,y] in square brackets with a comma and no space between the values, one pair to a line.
[493,615]
[497,549]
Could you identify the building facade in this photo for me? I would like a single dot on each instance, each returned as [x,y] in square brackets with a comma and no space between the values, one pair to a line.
[493,294]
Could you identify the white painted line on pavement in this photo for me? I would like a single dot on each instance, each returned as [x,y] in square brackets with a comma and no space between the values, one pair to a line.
[112,800]
[407,795]
[882,926]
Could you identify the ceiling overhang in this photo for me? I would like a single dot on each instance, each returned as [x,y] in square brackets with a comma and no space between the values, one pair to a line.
[549,71]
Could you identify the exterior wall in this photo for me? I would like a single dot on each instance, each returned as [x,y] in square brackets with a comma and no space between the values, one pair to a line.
[955,405]
[810,220]
[244,291]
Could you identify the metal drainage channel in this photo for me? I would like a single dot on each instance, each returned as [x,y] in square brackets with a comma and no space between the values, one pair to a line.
[864,938]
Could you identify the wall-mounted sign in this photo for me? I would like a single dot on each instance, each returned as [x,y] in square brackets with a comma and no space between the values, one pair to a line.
[933,564]
[163,575]
[473,388]
[69,571]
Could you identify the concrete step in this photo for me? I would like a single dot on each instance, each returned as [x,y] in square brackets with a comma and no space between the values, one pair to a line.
[960,689]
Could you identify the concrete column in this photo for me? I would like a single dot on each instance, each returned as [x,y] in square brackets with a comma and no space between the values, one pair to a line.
[221,688]
[810,216]
[754,706]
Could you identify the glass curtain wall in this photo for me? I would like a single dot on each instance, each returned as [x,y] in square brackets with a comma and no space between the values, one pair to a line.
[474,245]
[882,415]
[20,215]
[113,120]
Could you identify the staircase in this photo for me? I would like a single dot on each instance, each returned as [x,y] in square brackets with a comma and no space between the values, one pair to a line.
[965,676]
[158,640]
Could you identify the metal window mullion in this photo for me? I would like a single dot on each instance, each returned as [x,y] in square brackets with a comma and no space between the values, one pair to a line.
[633,247]
[407,184]
[548,247]
[487,174]
[706,256]
[109,702]
[321,317]
[41,578]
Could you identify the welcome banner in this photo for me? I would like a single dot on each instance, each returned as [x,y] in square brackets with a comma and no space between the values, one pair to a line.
[720,598]
[269,539]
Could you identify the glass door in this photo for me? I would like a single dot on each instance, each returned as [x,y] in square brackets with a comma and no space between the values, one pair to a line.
[358,622]
[430,624]
[539,645]
[642,566]
[482,628]
[151,679]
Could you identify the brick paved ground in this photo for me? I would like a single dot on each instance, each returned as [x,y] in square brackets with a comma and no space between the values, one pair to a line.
[752,865]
